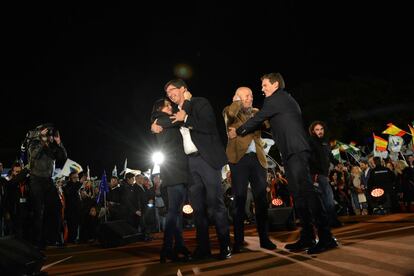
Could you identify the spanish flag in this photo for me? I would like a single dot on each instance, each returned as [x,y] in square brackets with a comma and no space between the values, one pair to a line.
[380,143]
[393,130]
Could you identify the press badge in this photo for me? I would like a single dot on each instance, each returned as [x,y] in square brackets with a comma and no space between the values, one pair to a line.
[22,200]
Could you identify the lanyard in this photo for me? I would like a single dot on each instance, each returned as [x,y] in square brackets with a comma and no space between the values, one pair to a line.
[22,188]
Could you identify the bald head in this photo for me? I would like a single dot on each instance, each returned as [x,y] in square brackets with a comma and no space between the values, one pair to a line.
[246,96]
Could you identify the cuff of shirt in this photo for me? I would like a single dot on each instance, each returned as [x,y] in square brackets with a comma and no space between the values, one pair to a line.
[185,118]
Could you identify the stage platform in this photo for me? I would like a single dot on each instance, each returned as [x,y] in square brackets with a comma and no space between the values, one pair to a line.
[370,245]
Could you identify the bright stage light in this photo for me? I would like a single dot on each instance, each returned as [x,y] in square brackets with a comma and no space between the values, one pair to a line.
[187,209]
[157,158]
[377,192]
[277,202]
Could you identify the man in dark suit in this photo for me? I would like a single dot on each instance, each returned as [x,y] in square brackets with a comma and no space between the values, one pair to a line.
[206,157]
[285,117]
[247,160]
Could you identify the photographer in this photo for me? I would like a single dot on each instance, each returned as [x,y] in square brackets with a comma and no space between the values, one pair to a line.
[44,150]
[18,201]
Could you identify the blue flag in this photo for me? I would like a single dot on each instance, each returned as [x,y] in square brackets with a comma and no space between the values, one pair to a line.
[103,187]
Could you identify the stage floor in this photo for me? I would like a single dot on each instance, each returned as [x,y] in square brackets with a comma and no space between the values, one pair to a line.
[370,245]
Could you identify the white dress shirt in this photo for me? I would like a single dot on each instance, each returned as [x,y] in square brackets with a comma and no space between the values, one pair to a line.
[189,146]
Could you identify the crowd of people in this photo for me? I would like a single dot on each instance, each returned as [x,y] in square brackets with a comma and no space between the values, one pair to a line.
[319,187]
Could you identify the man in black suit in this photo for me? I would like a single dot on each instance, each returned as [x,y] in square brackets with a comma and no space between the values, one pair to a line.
[285,117]
[206,157]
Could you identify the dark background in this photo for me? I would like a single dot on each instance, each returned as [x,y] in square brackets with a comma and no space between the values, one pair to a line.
[95,71]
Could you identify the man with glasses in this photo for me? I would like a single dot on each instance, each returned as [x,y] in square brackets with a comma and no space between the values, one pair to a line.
[206,157]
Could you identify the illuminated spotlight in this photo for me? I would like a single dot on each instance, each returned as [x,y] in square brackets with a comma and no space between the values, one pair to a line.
[183,71]
[277,202]
[187,209]
[377,192]
[157,158]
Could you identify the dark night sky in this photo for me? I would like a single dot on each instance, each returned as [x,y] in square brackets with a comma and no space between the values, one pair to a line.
[95,71]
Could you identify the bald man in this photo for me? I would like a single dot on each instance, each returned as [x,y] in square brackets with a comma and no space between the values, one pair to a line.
[247,161]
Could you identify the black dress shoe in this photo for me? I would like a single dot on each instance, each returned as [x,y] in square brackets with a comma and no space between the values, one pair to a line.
[300,245]
[199,254]
[185,252]
[268,244]
[323,246]
[168,254]
[225,253]
[238,249]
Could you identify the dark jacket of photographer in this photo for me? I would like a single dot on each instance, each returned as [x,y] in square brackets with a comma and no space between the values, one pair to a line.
[321,156]
[42,157]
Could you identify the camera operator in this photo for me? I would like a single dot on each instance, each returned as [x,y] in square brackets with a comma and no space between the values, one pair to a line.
[44,150]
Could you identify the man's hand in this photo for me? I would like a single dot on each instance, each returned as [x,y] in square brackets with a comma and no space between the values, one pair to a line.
[232,133]
[44,132]
[236,98]
[179,116]
[156,128]
[187,95]
[44,138]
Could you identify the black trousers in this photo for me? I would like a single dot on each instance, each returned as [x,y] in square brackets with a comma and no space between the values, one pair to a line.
[174,220]
[327,198]
[308,199]
[40,189]
[248,169]
[206,198]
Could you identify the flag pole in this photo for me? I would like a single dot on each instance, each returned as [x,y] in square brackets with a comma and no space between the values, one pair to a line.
[354,157]
[105,205]
[403,157]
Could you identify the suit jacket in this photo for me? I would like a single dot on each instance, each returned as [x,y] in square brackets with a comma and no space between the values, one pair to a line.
[237,147]
[203,130]
[285,118]
[364,178]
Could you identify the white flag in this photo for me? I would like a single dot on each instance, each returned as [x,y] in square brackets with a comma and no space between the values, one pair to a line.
[395,143]
[125,167]
[267,144]
[88,173]
[71,166]
[135,172]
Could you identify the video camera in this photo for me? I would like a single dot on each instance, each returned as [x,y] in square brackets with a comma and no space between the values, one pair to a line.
[35,134]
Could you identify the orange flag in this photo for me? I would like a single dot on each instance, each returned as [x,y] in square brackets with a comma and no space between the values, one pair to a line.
[380,143]
[393,130]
